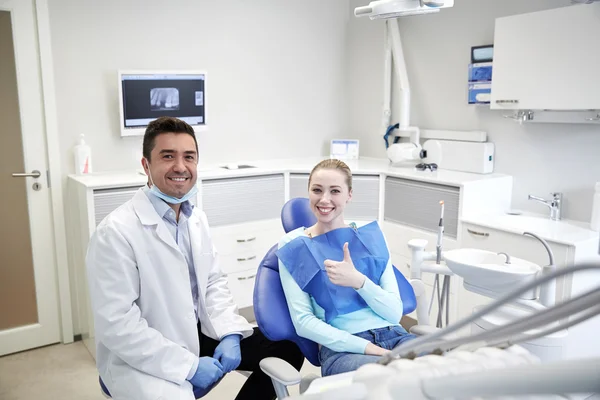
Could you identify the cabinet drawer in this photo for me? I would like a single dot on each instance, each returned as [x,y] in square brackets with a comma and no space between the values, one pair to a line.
[416,204]
[108,200]
[238,200]
[247,238]
[234,263]
[241,285]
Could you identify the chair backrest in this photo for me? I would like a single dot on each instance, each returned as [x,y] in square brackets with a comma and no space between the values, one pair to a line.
[296,213]
[270,308]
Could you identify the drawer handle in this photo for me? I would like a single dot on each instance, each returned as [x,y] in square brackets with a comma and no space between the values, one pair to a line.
[408,265]
[243,278]
[246,259]
[246,240]
[478,233]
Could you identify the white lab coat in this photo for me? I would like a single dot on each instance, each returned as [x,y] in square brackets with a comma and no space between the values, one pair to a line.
[145,326]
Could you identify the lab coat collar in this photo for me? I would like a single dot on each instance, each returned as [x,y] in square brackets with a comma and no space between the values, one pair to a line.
[149,216]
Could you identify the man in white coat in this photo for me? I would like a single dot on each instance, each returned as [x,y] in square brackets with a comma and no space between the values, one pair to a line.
[165,321]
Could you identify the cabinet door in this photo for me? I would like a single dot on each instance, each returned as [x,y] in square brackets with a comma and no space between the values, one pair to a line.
[525,247]
[548,60]
[416,204]
[108,200]
[246,199]
[298,185]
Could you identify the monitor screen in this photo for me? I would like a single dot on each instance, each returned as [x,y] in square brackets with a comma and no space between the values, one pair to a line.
[147,96]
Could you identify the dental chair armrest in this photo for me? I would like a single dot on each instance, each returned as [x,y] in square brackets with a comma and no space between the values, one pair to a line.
[280,370]
[282,375]
[421,330]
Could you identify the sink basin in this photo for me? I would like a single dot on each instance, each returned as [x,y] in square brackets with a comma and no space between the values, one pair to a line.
[488,270]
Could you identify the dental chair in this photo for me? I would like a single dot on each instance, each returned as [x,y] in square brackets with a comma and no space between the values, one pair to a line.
[271,310]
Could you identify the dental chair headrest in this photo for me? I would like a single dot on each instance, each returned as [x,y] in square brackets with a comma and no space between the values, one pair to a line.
[296,213]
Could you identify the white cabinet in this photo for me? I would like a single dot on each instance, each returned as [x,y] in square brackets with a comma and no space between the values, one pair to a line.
[241,248]
[86,208]
[244,216]
[417,204]
[238,200]
[548,60]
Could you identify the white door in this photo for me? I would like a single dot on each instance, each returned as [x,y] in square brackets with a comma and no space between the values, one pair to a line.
[29,313]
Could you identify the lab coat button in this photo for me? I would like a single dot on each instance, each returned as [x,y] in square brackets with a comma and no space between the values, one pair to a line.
[191,315]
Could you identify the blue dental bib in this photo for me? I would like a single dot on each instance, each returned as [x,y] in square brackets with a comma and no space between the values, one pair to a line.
[304,258]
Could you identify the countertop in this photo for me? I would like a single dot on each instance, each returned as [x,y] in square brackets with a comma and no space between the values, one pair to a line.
[566,232]
[362,166]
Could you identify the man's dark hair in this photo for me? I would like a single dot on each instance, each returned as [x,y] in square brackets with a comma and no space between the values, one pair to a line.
[164,125]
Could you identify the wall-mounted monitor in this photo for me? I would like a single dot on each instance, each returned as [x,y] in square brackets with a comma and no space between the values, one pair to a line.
[147,95]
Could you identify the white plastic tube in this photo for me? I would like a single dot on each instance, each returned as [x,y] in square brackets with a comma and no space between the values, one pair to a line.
[401,73]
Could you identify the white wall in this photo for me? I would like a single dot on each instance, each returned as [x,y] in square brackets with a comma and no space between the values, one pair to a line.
[275,89]
[541,157]
[275,72]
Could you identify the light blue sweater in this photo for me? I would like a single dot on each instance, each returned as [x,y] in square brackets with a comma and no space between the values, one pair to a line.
[385,309]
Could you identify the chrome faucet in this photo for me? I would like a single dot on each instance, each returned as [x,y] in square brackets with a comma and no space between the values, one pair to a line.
[555,204]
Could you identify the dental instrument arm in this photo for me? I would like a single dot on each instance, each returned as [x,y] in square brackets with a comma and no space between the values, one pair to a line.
[410,346]
[438,247]
[571,376]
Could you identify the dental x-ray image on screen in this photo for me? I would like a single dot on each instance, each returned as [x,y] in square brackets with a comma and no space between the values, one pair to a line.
[164,99]
[147,95]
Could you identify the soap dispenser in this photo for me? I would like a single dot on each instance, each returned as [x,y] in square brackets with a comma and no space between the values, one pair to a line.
[83,157]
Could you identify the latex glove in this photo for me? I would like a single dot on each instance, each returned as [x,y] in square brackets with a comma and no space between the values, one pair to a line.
[343,273]
[208,372]
[228,352]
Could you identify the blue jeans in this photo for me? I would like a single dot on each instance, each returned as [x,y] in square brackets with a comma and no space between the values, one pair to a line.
[333,363]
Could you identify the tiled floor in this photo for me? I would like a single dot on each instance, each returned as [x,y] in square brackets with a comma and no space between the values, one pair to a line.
[68,372]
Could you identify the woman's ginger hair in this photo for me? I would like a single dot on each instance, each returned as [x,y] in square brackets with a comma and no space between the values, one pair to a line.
[335,165]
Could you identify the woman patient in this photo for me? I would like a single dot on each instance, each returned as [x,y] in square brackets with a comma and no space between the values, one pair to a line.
[338,279]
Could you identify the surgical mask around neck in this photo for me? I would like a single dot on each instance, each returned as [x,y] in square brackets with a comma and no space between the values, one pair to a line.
[170,199]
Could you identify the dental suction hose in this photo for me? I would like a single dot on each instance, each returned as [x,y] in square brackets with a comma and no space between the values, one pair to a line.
[432,341]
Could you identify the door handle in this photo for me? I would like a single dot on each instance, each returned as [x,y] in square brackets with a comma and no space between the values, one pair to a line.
[34,174]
